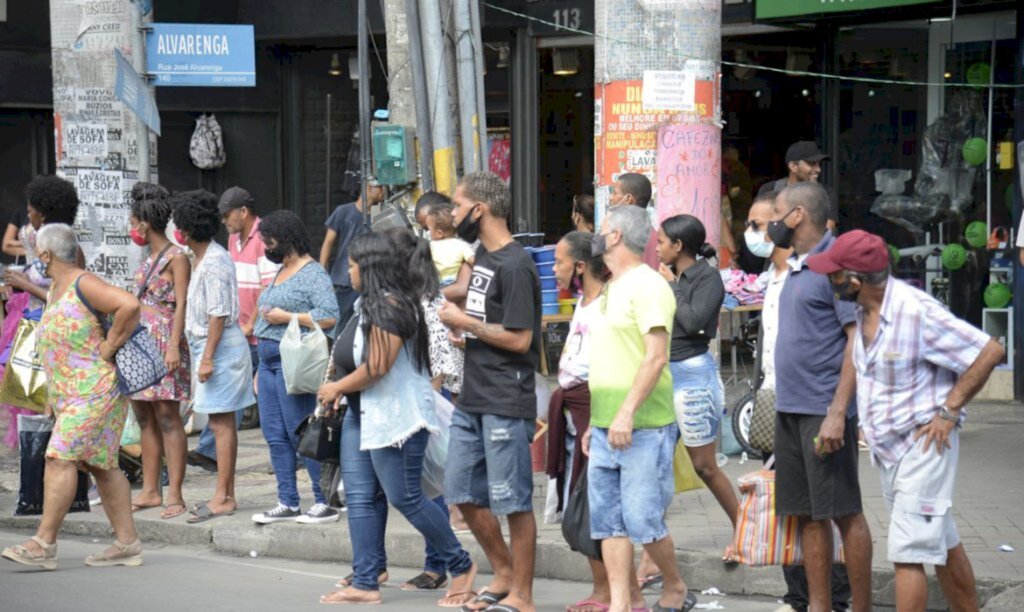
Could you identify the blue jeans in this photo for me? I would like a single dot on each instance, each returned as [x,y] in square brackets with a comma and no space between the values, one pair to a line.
[390,475]
[630,490]
[280,416]
[206,445]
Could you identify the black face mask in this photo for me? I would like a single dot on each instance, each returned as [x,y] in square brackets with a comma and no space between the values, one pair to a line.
[468,229]
[598,244]
[842,291]
[780,233]
[275,255]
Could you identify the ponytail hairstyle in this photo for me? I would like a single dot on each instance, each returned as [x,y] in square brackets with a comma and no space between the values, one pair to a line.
[689,232]
[389,304]
[416,252]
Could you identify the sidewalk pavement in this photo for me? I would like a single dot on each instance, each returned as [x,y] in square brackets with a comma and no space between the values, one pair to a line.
[989,508]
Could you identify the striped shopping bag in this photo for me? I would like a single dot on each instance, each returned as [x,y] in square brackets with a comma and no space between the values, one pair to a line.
[762,537]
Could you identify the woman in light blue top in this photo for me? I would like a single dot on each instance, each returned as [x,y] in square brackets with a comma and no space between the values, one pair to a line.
[382,367]
[301,289]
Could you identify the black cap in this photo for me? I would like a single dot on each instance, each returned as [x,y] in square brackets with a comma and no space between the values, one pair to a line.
[805,150]
[233,198]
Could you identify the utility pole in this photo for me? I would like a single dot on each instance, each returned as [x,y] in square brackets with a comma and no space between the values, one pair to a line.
[438,97]
[657,109]
[365,144]
[98,145]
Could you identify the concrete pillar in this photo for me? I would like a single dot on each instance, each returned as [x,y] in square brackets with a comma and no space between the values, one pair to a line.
[657,105]
[96,143]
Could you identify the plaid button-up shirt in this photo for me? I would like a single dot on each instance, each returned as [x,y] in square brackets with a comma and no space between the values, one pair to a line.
[908,371]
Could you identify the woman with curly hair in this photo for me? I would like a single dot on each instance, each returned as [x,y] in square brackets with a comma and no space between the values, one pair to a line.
[161,284]
[219,351]
[51,199]
[382,367]
[302,289]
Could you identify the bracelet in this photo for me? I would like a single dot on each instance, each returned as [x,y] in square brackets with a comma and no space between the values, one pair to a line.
[947,415]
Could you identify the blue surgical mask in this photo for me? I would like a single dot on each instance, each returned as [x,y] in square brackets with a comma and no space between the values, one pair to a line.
[756,243]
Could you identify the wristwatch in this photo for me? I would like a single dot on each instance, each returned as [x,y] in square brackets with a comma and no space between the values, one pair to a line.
[947,415]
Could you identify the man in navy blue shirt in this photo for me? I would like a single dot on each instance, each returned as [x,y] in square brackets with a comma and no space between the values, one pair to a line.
[816,426]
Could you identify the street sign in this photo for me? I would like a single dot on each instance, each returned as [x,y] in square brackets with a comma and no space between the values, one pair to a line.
[131,89]
[201,55]
[769,9]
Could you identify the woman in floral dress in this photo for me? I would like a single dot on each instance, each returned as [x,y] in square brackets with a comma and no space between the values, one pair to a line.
[161,284]
[84,398]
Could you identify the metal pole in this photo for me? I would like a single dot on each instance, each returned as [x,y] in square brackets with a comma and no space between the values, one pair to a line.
[364,106]
[481,102]
[437,92]
[139,63]
[327,182]
[989,139]
[419,89]
[466,80]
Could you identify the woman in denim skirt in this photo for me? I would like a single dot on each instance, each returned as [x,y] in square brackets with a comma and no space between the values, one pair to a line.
[699,398]
[221,366]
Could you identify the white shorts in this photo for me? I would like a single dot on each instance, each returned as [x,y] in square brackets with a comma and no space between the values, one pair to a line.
[919,493]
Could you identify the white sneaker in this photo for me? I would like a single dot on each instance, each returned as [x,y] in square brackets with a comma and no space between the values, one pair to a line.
[319,513]
[279,514]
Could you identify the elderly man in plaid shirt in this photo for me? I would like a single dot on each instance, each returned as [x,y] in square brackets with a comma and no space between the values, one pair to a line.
[917,366]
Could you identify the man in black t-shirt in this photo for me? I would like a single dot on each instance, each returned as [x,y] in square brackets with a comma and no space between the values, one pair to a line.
[489,471]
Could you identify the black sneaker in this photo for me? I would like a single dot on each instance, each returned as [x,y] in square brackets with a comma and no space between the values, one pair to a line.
[198,459]
[279,514]
[319,513]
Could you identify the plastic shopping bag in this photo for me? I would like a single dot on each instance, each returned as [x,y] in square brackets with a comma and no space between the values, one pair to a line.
[33,437]
[576,521]
[303,358]
[686,477]
[436,455]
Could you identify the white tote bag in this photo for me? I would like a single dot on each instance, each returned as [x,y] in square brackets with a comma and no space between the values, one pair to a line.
[303,358]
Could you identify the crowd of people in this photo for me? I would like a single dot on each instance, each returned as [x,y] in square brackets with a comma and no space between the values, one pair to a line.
[418,322]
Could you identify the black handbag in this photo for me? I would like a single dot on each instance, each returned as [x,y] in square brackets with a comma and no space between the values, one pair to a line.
[320,438]
[576,521]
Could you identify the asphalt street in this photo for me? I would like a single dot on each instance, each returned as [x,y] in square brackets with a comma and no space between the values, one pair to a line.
[177,578]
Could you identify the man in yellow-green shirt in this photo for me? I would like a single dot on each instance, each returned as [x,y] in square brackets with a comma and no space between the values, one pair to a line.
[633,429]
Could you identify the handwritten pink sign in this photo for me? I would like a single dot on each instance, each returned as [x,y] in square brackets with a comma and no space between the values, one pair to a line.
[689,171]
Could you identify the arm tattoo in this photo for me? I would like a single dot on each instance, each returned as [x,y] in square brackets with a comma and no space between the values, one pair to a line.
[485,331]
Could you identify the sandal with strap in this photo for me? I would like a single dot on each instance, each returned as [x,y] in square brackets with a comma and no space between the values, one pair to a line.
[128,554]
[21,554]
[426,582]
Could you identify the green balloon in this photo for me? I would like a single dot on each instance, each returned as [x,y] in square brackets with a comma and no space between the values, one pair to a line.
[976,234]
[975,151]
[954,256]
[997,295]
[894,255]
[979,74]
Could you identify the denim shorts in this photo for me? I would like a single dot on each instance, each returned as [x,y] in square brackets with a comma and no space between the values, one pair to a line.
[698,397]
[489,462]
[630,490]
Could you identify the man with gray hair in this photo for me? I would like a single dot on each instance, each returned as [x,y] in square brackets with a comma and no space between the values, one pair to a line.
[489,470]
[633,431]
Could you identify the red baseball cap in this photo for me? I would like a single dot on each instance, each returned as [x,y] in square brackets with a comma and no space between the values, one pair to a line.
[856,251]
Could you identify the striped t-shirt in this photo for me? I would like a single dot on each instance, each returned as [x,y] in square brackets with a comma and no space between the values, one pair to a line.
[253,271]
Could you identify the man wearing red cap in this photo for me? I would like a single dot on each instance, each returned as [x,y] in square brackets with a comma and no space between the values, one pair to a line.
[917,366]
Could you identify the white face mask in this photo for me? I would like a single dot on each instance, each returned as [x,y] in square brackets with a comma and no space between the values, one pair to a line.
[756,243]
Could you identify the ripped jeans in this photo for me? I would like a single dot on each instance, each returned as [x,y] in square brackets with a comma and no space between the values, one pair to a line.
[489,462]
[698,397]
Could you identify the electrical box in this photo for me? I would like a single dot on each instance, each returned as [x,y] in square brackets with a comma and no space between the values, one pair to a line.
[394,157]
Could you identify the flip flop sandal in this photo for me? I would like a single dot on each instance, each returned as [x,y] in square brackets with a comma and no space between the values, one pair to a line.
[502,608]
[20,554]
[426,582]
[166,514]
[347,580]
[203,513]
[688,603]
[348,602]
[471,594]
[651,582]
[487,597]
[590,603]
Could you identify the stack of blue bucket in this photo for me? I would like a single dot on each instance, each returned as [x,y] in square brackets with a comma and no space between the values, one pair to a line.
[544,259]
